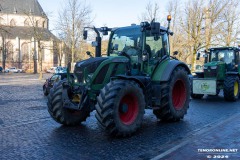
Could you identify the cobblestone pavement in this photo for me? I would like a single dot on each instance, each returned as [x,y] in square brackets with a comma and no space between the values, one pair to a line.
[28,132]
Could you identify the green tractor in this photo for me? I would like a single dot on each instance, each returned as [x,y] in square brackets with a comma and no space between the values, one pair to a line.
[221,71]
[138,73]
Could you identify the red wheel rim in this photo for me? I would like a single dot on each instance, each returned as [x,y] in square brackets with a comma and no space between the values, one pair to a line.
[128,109]
[179,94]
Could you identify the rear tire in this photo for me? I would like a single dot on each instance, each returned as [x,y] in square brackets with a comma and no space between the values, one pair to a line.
[120,107]
[175,96]
[231,88]
[60,114]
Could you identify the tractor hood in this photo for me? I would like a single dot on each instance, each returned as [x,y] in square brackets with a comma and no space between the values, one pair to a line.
[215,69]
[213,63]
[95,68]
[89,65]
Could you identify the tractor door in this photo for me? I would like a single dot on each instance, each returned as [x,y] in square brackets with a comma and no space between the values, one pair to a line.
[238,61]
[230,60]
[156,48]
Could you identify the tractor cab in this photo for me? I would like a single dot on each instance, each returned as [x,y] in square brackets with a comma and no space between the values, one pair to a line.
[220,60]
[142,47]
[229,56]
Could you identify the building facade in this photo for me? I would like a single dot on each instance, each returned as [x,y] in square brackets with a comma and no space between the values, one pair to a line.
[25,38]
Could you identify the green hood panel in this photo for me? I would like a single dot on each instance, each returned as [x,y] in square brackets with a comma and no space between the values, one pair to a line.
[215,69]
[213,63]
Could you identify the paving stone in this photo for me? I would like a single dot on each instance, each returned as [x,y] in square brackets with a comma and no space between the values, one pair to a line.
[28,132]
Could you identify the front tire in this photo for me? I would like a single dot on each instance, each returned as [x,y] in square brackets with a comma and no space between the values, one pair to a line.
[57,111]
[231,88]
[45,91]
[175,96]
[120,107]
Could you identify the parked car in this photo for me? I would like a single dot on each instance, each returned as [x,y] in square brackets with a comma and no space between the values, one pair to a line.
[52,70]
[1,69]
[14,70]
[63,70]
[58,69]
[53,79]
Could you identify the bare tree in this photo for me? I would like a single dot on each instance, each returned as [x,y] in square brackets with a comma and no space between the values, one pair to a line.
[213,12]
[199,25]
[61,49]
[192,25]
[230,24]
[150,13]
[72,18]
[173,8]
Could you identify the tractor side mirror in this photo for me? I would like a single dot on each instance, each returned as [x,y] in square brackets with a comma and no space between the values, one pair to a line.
[89,54]
[175,53]
[85,34]
[155,28]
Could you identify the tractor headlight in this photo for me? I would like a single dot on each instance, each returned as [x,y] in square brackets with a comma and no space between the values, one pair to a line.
[213,67]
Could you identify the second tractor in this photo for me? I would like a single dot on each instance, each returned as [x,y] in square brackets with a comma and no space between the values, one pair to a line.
[221,72]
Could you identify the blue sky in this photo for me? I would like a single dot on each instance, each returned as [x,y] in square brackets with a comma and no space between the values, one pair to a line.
[106,12]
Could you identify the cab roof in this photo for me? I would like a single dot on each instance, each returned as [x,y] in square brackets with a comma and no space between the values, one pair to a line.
[163,29]
[224,48]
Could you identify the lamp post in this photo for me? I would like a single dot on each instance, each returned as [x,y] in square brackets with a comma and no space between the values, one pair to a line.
[40,57]
[3,53]
[34,56]
[19,52]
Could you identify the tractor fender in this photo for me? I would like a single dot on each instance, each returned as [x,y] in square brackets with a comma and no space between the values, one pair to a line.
[143,81]
[164,70]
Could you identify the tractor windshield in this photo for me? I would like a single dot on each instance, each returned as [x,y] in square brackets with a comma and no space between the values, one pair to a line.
[124,38]
[226,56]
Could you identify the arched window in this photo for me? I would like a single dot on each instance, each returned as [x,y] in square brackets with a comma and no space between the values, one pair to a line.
[9,52]
[12,22]
[25,51]
[43,24]
[26,22]
[37,23]
[1,20]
